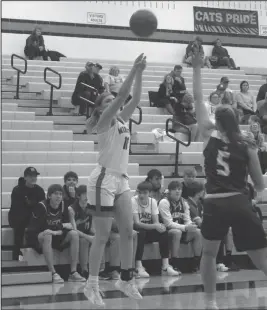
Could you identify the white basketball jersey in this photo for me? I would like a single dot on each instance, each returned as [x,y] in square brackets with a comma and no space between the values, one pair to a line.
[114,147]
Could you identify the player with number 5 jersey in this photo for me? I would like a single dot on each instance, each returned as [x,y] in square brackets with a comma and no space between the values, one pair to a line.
[108,189]
[229,157]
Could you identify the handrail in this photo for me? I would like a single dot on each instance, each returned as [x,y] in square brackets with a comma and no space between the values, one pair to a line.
[50,112]
[131,121]
[89,102]
[178,141]
[19,71]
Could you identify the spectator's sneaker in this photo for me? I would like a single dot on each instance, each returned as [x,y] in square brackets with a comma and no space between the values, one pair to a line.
[76,277]
[128,288]
[56,278]
[142,272]
[211,305]
[103,275]
[233,267]
[94,295]
[169,271]
[114,275]
[136,275]
[222,268]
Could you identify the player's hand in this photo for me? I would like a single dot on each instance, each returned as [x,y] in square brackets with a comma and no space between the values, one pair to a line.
[191,227]
[197,60]
[138,59]
[141,65]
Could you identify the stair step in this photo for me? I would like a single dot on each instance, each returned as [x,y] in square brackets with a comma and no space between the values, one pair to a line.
[17,278]
[13,263]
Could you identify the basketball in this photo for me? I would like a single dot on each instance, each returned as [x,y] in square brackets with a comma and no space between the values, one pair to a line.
[143,23]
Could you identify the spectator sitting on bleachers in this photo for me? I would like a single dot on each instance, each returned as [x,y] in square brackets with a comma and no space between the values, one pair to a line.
[97,68]
[175,213]
[196,45]
[146,222]
[255,133]
[178,88]
[212,104]
[184,113]
[220,56]
[189,177]
[113,82]
[35,46]
[50,228]
[166,98]
[87,77]
[69,188]
[155,177]
[262,96]
[246,102]
[23,198]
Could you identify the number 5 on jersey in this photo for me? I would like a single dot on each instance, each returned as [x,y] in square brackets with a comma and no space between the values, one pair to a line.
[126,143]
[224,168]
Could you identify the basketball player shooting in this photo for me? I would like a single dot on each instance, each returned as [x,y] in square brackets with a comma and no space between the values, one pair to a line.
[108,189]
[229,157]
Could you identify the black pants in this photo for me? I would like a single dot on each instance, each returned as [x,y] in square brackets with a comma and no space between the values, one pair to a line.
[33,52]
[149,236]
[19,232]
[223,62]
[263,161]
[220,255]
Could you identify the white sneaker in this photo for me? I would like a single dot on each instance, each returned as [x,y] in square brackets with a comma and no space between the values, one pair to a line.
[222,268]
[142,272]
[56,278]
[169,271]
[76,277]
[128,288]
[94,295]
[211,305]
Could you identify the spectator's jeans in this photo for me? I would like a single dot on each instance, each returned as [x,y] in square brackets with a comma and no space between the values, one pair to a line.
[19,232]
[33,52]
[149,236]
[225,61]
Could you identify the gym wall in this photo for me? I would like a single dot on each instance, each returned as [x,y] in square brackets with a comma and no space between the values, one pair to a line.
[66,29]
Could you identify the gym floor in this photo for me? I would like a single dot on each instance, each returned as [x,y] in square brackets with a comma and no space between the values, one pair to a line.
[246,289]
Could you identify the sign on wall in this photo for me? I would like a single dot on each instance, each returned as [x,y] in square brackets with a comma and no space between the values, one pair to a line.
[96,18]
[226,21]
[263,31]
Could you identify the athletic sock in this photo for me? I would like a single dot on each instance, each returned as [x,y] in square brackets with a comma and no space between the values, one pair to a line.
[93,280]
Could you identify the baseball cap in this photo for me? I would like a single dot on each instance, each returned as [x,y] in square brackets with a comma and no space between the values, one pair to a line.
[89,64]
[54,188]
[30,171]
[225,79]
[98,66]
[221,87]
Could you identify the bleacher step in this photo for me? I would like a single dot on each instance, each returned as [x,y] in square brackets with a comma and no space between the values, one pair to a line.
[13,264]
[17,278]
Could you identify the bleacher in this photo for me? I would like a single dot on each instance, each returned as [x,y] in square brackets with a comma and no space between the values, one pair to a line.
[56,144]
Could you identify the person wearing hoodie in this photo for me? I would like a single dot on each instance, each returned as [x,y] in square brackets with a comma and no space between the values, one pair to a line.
[35,45]
[70,188]
[23,198]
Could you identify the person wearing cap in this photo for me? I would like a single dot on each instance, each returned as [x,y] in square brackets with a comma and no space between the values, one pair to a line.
[70,187]
[190,49]
[50,228]
[87,77]
[175,214]
[23,198]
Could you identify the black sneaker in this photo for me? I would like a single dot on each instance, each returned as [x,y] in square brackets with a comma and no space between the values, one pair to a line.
[103,275]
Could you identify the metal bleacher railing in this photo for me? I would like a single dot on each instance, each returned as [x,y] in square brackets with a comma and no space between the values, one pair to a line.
[170,134]
[50,112]
[19,71]
[131,121]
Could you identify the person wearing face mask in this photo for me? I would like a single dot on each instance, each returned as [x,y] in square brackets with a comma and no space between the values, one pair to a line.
[35,45]
[175,214]
[23,198]
[255,133]
[70,187]
[50,228]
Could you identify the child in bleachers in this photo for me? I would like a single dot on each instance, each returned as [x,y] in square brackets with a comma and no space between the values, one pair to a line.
[190,175]
[146,222]
[70,187]
[156,179]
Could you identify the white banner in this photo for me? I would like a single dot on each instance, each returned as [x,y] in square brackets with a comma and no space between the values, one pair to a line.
[96,18]
[263,30]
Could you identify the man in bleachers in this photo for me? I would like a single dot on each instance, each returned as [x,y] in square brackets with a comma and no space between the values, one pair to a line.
[262,106]
[35,46]
[190,175]
[23,198]
[190,49]
[50,228]
[70,187]
[155,177]
[90,78]
[179,88]
[175,213]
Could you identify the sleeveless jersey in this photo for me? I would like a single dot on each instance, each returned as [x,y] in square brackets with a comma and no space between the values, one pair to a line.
[114,148]
[82,218]
[177,211]
[54,217]
[226,166]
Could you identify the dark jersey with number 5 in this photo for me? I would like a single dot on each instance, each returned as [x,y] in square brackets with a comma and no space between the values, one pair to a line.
[226,166]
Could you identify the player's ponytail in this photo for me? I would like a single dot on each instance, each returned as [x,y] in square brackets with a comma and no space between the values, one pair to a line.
[227,119]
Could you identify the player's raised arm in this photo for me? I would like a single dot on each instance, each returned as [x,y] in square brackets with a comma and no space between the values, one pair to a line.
[110,112]
[128,110]
[203,120]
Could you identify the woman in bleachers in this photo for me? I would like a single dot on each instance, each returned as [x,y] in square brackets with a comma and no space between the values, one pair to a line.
[35,45]
[246,102]
[211,105]
[114,81]
[166,97]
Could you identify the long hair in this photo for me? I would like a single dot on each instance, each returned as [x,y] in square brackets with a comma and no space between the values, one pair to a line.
[227,120]
[241,84]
